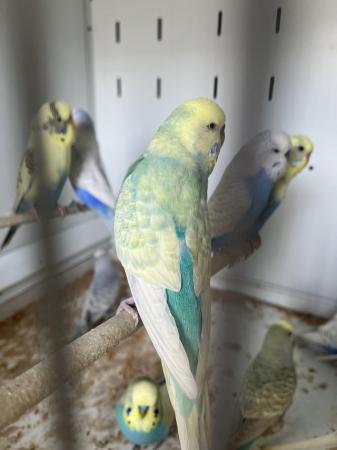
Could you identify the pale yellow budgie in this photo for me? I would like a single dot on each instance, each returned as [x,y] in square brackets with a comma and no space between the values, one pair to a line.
[46,162]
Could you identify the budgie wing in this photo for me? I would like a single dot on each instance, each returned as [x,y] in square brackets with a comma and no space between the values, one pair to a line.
[89,175]
[26,177]
[228,205]
[250,429]
[152,306]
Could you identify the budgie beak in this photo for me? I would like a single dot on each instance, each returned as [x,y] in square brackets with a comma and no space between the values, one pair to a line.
[143,411]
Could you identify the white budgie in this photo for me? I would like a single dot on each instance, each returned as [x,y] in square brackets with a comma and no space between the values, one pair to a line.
[242,194]
[101,299]
[87,174]
[46,162]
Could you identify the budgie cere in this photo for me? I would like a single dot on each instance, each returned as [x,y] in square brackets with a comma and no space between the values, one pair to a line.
[46,161]
[242,195]
[101,299]
[87,173]
[268,387]
[144,413]
[163,241]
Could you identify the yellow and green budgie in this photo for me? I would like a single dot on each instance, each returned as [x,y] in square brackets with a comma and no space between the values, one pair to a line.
[163,241]
[46,162]
[144,413]
[268,386]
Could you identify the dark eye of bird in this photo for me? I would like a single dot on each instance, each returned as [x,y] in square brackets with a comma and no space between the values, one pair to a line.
[59,119]
[156,412]
[276,150]
[301,148]
[128,411]
[211,126]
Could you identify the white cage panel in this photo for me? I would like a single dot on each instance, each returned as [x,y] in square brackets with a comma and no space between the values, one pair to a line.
[291,42]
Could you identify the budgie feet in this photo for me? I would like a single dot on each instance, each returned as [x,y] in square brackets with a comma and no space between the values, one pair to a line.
[255,242]
[61,210]
[129,306]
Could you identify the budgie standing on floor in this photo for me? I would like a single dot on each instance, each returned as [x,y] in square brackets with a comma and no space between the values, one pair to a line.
[323,338]
[242,195]
[297,159]
[268,387]
[101,299]
[46,162]
[163,241]
[87,174]
[144,413]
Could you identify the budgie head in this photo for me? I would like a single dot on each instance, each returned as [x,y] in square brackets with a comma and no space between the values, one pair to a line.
[268,150]
[278,342]
[196,129]
[54,119]
[299,156]
[142,410]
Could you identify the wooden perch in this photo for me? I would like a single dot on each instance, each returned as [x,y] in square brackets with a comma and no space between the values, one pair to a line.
[328,441]
[29,217]
[17,396]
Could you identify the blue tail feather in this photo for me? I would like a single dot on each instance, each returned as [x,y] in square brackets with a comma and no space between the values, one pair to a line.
[94,203]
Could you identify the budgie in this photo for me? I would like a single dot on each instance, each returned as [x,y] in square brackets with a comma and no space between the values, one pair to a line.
[87,174]
[163,241]
[297,159]
[323,338]
[101,298]
[144,413]
[242,195]
[46,162]
[268,387]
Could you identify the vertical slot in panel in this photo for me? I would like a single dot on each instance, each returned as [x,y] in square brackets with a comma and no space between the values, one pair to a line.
[119,87]
[271,88]
[117,32]
[215,87]
[278,20]
[159,29]
[219,23]
[158,88]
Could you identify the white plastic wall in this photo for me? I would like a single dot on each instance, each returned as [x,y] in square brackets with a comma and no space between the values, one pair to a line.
[44,55]
[296,265]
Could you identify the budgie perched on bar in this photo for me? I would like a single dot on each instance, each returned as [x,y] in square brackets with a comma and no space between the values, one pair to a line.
[144,413]
[101,299]
[46,162]
[163,241]
[297,159]
[268,387]
[243,194]
[87,174]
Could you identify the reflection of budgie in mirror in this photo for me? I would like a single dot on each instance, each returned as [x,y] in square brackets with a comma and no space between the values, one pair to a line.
[87,173]
[144,413]
[163,241]
[268,386]
[46,161]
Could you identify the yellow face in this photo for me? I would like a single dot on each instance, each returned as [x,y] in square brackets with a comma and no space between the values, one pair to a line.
[285,325]
[300,153]
[142,409]
[55,119]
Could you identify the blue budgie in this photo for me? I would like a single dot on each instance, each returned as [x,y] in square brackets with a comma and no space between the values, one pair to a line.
[242,195]
[144,413]
[163,241]
[46,162]
[87,174]
[101,299]
[268,386]
[323,338]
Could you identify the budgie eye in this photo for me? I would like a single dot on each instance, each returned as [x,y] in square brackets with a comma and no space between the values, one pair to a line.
[276,150]
[156,412]
[301,148]
[211,126]
[128,411]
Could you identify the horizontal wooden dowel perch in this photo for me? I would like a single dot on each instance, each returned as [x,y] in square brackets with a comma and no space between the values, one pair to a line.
[328,441]
[17,396]
[30,217]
